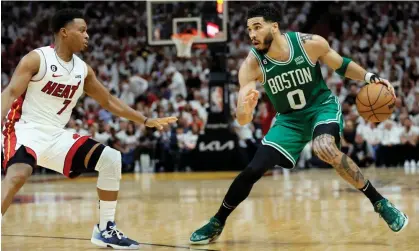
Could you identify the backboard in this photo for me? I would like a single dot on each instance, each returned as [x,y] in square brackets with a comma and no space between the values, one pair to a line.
[207,19]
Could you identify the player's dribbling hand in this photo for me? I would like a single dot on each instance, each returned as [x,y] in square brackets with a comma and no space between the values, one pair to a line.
[250,101]
[389,86]
[375,79]
[159,123]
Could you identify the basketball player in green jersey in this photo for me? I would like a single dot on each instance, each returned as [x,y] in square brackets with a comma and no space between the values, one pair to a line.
[288,66]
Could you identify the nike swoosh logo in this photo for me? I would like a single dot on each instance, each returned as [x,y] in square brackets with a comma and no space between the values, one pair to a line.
[268,70]
[366,187]
[55,76]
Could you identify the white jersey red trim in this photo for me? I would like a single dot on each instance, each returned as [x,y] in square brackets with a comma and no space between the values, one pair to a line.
[54,91]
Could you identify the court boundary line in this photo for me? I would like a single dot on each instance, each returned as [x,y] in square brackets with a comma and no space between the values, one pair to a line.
[86,239]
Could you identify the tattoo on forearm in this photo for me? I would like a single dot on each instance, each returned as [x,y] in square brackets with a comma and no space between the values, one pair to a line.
[305,37]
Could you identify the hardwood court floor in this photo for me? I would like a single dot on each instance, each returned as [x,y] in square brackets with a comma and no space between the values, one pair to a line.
[307,210]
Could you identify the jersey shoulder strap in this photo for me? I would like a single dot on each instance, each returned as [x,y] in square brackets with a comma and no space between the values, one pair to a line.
[262,62]
[299,47]
[259,56]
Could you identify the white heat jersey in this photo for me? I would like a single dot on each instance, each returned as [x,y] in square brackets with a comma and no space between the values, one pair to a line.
[53,92]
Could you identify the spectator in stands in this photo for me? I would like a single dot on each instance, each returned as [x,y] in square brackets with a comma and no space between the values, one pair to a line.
[409,138]
[360,153]
[126,94]
[130,143]
[146,148]
[193,83]
[122,130]
[351,97]
[188,143]
[138,85]
[104,115]
[247,142]
[78,127]
[371,135]
[176,82]
[388,150]
[102,135]
[349,132]
[91,113]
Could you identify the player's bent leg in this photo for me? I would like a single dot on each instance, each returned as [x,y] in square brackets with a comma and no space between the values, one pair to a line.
[326,139]
[105,234]
[16,176]
[265,158]
[19,168]
[107,161]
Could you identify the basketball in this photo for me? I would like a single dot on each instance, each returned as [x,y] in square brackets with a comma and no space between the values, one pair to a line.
[375,103]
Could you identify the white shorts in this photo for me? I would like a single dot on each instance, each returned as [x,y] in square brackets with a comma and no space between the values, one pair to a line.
[52,147]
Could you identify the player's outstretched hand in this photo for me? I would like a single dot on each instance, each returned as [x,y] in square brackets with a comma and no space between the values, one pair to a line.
[251,100]
[159,123]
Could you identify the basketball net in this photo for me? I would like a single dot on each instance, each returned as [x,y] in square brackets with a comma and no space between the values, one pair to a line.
[183,42]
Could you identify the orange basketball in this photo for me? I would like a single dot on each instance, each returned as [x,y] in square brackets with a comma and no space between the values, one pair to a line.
[375,102]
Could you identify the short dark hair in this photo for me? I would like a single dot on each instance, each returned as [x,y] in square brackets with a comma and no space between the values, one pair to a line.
[267,11]
[63,17]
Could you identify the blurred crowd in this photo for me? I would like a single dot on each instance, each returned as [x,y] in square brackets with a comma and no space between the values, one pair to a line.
[382,37]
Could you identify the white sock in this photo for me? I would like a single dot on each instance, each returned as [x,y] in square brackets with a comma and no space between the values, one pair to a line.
[107,213]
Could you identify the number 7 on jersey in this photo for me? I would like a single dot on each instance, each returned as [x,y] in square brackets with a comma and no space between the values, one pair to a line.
[65,103]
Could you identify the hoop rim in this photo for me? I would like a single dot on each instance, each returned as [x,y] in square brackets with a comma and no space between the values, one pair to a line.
[184,37]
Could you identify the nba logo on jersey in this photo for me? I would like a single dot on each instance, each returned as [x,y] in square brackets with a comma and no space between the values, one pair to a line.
[299,60]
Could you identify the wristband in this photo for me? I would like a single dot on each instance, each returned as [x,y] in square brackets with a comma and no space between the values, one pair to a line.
[371,78]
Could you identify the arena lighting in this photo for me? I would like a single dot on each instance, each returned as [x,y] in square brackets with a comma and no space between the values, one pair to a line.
[220,6]
[212,29]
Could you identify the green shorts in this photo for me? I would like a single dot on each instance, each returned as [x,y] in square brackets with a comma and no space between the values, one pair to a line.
[291,132]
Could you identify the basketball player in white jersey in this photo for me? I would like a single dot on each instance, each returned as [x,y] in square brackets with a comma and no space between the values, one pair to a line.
[45,87]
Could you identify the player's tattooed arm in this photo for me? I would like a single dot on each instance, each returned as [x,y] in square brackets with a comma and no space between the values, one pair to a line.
[305,37]
[325,148]
[320,48]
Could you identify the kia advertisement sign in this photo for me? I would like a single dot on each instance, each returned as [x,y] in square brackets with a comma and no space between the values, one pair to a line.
[217,148]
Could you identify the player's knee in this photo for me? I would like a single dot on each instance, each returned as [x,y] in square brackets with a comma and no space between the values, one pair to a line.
[325,148]
[265,158]
[18,174]
[109,168]
[253,173]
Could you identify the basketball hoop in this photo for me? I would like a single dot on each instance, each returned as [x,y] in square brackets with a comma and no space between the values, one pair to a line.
[183,44]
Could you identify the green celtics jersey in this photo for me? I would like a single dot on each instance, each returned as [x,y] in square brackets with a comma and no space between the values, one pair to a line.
[295,84]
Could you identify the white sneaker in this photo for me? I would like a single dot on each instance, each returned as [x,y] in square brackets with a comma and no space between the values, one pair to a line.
[412,166]
[406,167]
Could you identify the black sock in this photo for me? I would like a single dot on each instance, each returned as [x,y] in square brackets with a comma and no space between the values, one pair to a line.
[371,193]
[266,157]
[224,211]
[238,192]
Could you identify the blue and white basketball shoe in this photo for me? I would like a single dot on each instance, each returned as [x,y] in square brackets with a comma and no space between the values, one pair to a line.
[113,238]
